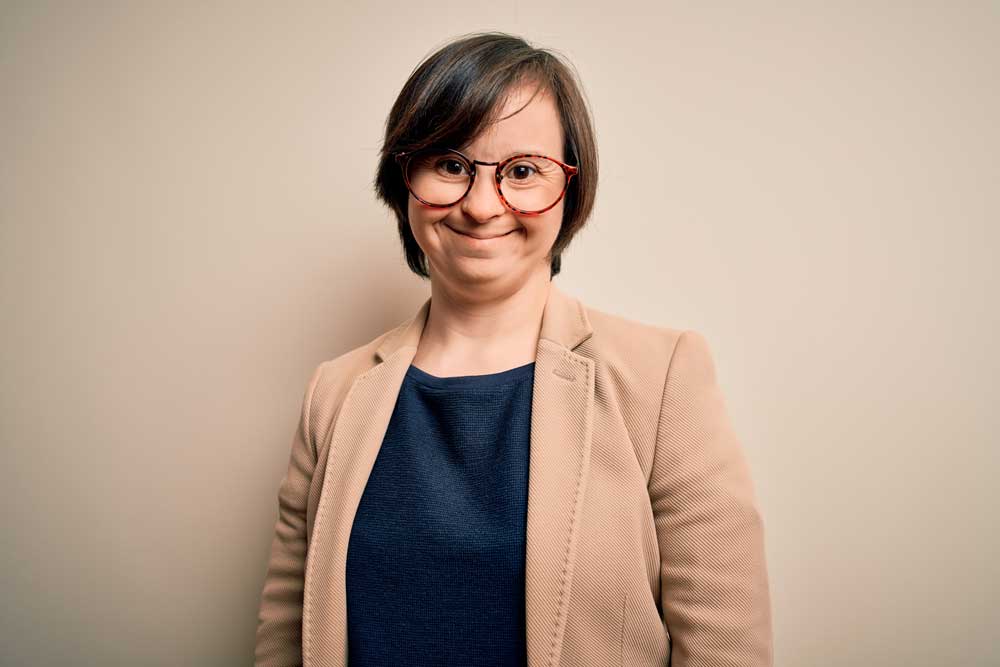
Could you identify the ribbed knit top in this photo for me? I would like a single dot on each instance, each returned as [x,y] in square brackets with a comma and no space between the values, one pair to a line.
[435,562]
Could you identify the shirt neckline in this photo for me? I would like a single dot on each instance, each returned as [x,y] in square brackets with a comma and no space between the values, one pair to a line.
[464,381]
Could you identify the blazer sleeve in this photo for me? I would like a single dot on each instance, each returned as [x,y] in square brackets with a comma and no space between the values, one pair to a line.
[279,619]
[713,574]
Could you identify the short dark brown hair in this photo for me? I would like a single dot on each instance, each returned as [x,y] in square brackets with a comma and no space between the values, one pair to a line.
[457,92]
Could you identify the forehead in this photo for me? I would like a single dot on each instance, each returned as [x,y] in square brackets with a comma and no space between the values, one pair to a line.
[537,128]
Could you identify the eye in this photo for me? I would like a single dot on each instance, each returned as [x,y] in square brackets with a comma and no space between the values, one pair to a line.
[452,167]
[520,171]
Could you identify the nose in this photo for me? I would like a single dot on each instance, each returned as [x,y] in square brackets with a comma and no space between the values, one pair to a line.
[483,202]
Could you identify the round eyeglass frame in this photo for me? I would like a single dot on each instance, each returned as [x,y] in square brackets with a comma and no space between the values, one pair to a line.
[403,158]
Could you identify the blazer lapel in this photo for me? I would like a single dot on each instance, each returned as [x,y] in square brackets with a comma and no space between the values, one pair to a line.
[562,418]
[562,415]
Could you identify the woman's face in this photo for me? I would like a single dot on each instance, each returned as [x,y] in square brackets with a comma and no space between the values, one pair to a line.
[521,242]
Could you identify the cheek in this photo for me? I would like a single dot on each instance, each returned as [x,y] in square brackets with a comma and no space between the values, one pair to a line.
[544,228]
[421,218]
[415,213]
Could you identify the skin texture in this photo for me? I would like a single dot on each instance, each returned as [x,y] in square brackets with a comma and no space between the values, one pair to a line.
[487,297]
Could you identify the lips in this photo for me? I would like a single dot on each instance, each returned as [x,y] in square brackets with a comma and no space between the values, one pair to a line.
[481,238]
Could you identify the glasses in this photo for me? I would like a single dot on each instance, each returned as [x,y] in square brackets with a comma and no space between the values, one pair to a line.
[526,183]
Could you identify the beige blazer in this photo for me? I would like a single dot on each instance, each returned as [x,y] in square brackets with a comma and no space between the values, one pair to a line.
[645,545]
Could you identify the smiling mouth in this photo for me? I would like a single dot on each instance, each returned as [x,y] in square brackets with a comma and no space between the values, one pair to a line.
[480,238]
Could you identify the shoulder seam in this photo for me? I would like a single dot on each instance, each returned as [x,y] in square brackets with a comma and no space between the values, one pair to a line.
[310,444]
[659,413]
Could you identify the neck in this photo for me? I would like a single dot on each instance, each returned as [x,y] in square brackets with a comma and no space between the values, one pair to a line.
[476,333]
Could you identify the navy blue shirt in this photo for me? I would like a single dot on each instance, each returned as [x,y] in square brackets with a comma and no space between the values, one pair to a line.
[435,562]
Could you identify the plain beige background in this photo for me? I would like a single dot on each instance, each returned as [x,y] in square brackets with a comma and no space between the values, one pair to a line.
[188,228]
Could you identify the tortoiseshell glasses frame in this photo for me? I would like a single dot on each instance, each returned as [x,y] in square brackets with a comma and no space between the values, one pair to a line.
[403,158]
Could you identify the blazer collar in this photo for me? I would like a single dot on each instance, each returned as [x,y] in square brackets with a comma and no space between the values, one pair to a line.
[564,322]
[562,424]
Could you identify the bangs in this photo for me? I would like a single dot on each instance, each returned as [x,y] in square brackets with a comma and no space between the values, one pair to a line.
[458,101]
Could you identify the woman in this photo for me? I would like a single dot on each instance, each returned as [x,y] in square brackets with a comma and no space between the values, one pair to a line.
[510,477]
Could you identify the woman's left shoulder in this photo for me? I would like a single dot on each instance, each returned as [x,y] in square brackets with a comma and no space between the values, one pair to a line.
[616,335]
[631,348]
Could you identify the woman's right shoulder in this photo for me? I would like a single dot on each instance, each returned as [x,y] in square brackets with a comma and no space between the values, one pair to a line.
[332,378]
